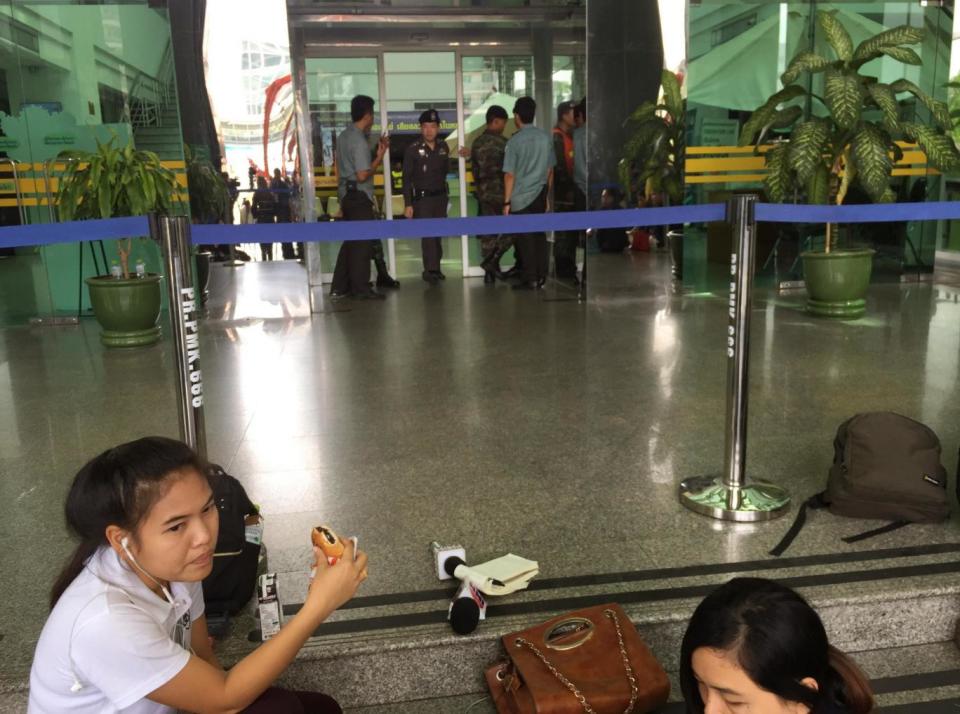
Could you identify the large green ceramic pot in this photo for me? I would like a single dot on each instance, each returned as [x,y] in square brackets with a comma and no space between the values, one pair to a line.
[127,309]
[837,282]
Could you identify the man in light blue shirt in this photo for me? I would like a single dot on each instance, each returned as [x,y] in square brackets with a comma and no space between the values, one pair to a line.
[527,179]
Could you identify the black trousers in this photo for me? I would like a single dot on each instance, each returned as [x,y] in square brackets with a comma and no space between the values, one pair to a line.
[431,248]
[352,271]
[532,247]
[565,242]
[283,701]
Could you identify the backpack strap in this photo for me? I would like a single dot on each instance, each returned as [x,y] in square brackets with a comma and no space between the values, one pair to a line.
[896,525]
[814,503]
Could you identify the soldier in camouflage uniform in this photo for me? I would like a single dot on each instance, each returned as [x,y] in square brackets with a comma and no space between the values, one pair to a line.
[486,156]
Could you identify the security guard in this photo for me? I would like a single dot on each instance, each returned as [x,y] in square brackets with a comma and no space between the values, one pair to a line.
[425,166]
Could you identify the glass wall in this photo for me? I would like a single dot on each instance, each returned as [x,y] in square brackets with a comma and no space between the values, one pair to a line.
[737,52]
[73,74]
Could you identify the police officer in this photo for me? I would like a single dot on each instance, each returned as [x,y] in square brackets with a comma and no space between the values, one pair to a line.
[486,160]
[356,169]
[425,165]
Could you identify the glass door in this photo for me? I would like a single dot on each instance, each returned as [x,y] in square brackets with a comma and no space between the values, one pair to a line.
[415,81]
[331,83]
[489,80]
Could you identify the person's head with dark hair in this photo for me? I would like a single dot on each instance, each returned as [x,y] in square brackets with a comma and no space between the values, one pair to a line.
[149,498]
[524,111]
[276,174]
[361,110]
[496,119]
[262,182]
[565,112]
[757,645]
[580,112]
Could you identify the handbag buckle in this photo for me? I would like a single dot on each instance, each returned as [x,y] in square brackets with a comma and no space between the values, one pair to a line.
[569,634]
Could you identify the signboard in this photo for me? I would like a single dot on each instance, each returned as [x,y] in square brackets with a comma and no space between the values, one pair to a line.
[408,122]
[719,132]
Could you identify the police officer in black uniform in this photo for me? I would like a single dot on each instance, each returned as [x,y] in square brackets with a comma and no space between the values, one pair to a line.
[425,165]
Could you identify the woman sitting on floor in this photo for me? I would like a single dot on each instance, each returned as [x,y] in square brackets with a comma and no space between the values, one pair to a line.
[127,630]
[756,646]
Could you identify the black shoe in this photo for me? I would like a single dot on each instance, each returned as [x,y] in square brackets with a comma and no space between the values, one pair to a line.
[334,295]
[439,275]
[369,295]
[525,285]
[540,283]
[430,277]
[489,278]
[385,281]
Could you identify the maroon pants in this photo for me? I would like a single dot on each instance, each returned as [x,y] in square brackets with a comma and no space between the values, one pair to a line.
[282,701]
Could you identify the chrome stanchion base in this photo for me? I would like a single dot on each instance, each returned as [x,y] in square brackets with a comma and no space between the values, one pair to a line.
[756,501]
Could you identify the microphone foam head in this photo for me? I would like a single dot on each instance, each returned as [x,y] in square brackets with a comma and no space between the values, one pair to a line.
[464,615]
[451,564]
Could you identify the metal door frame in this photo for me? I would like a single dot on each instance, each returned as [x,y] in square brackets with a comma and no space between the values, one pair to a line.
[300,52]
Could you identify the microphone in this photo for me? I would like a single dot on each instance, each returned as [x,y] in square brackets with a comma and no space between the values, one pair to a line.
[467,608]
[456,567]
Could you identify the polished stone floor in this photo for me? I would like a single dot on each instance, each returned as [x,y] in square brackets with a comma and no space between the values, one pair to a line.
[466,413]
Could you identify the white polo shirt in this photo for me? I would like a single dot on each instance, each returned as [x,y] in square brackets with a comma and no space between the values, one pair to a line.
[114,636]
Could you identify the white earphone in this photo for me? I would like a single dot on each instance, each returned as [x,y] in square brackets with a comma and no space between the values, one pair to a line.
[126,549]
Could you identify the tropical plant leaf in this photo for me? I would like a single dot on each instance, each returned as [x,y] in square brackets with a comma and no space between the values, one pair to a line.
[939,110]
[844,97]
[939,148]
[808,145]
[804,62]
[902,54]
[818,185]
[870,149]
[836,34]
[778,179]
[645,111]
[894,37]
[883,96]
[765,113]
[671,93]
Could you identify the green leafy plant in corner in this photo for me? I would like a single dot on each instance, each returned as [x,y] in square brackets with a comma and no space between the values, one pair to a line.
[209,197]
[653,155]
[826,155]
[114,181]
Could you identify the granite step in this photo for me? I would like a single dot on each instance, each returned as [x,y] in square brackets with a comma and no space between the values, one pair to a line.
[923,678]
[397,647]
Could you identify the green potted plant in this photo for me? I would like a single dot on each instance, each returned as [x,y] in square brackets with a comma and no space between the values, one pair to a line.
[851,139]
[109,182]
[651,169]
[209,203]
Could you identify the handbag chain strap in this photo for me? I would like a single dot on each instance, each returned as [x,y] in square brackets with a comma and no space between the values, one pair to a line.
[634,694]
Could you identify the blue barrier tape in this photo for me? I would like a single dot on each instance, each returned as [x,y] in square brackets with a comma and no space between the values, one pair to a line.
[866,213]
[484,225]
[73,231]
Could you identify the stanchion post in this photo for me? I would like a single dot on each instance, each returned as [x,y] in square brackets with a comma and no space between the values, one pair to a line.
[173,235]
[729,497]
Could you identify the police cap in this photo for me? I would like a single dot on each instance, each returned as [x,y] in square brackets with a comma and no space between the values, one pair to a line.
[430,115]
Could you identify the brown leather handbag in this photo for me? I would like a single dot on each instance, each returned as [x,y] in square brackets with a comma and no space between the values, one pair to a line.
[589,661]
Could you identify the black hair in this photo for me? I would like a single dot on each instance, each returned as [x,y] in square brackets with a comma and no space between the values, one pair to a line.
[118,487]
[526,109]
[565,107]
[581,109]
[360,106]
[495,111]
[778,640]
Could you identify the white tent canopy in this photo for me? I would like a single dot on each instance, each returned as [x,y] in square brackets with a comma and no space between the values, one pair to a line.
[740,74]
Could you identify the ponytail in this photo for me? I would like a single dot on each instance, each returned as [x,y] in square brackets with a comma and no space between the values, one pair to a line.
[118,487]
[854,688]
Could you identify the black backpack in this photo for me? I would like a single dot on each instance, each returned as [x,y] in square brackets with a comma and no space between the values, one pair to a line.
[233,579]
[885,466]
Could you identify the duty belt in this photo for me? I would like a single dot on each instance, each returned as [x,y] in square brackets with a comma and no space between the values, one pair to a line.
[417,194]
